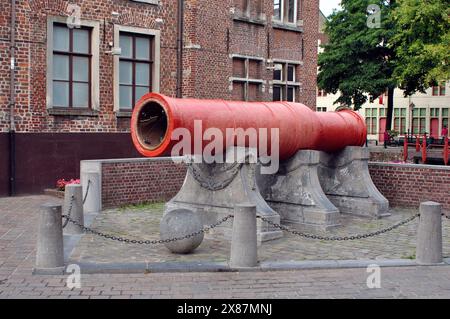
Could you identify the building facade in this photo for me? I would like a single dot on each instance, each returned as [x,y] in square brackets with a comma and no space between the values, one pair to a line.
[77,68]
[418,114]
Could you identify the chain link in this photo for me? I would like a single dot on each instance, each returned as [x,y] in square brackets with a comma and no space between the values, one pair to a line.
[146,242]
[69,211]
[72,198]
[337,238]
[87,191]
[211,183]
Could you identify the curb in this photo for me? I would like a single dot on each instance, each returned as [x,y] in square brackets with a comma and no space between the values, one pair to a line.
[179,267]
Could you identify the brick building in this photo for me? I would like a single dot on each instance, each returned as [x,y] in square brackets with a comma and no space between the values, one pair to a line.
[74,88]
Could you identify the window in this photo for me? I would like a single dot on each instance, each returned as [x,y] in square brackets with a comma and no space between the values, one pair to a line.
[439,90]
[442,89]
[445,117]
[321,93]
[284,82]
[371,120]
[435,90]
[71,67]
[249,8]
[135,68]
[285,11]
[277,9]
[434,112]
[419,120]
[247,79]
[321,109]
[400,120]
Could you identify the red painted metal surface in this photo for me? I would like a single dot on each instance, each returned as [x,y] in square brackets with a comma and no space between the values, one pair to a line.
[417,143]
[446,151]
[405,148]
[299,126]
[424,149]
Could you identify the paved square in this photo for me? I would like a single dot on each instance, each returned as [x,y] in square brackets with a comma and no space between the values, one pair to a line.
[18,225]
[143,223]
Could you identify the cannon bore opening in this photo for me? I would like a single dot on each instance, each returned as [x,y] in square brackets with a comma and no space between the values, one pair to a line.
[152,125]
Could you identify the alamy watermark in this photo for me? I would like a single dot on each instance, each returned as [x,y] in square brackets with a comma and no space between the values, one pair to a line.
[374,18]
[74,279]
[261,145]
[374,279]
[74,18]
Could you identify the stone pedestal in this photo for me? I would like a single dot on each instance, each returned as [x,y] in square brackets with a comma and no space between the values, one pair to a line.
[295,192]
[244,250]
[50,249]
[429,234]
[73,201]
[345,179]
[214,190]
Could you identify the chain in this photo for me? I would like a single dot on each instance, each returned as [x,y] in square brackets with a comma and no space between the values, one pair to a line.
[87,191]
[69,211]
[146,242]
[336,238]
[72,198]
[210,184]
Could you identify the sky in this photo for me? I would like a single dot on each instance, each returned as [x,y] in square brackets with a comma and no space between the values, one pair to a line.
[327,6]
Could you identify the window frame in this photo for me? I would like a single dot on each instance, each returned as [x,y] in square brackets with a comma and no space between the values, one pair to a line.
[400,115]
[284,83]
[134,61]
[284,12]
[94,69]
[247,80]
[421,120]
[442,89]
[71,54]
[155,65]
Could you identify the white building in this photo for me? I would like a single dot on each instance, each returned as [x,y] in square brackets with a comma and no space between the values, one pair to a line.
[419,113]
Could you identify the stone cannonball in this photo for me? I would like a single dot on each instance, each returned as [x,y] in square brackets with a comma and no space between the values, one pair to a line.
[178,223]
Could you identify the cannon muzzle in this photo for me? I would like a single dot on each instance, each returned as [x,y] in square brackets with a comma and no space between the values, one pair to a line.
[156,117]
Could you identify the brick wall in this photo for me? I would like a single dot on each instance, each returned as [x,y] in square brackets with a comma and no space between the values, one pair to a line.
[409,184]
[137,181]
[211,34]
[151,180]
[387,156]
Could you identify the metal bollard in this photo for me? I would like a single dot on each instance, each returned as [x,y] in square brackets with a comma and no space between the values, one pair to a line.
[429,237]
[73,205]
[244,239]
[93,202]
[50,251]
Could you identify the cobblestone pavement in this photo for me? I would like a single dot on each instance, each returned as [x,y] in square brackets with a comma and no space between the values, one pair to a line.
[143,223]
[18,224]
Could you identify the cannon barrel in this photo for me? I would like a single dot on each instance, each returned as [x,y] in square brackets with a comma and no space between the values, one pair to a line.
[155,117]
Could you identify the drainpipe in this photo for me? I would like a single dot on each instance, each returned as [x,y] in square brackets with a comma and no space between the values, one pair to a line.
[180,48]
[12,103]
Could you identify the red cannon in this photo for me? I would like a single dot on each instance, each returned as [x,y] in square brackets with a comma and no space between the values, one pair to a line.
[155,117]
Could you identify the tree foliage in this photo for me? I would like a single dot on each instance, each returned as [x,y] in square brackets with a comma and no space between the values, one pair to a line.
[421,43]
[358,61]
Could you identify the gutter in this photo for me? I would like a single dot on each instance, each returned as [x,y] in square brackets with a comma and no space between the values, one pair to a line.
[12,103]
[180,27]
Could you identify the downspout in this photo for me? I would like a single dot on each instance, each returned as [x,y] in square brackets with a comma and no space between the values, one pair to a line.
[12,103]
[180,25]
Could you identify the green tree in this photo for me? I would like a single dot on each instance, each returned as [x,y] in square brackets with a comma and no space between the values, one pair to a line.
[421,43]
[358,61]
